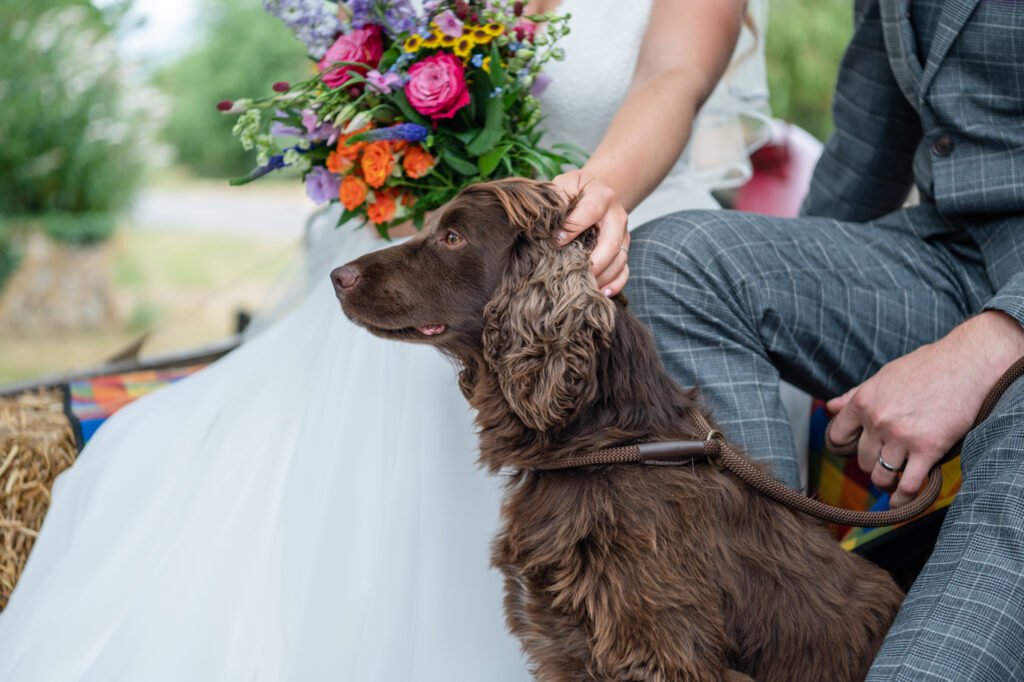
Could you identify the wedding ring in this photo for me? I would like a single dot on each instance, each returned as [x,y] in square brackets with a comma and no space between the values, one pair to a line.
[623,250]
[886,465]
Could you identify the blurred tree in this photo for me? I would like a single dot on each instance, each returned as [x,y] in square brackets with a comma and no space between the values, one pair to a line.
[241,53]
[805,41]
[70,144]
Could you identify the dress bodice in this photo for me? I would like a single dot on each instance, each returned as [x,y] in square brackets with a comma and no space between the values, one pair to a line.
[589,85]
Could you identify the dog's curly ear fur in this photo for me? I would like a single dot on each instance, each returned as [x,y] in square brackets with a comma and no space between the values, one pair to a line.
[545,325]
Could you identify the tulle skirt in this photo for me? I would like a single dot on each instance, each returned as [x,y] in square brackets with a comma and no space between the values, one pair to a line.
[307,508]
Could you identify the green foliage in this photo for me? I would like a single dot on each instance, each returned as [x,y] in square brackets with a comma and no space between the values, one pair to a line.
[68,144]
[10,257]
[78,228]
[241,53]
[805,42]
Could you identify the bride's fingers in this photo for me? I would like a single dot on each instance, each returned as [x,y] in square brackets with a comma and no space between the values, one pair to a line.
[612,272]
[615,286]
[589,207]
[612,239]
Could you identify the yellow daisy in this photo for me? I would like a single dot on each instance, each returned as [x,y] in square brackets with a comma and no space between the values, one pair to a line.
[413,43]
[432,42]
[448,41]
[480,36]
[494,28]
[463,46]
[486,65]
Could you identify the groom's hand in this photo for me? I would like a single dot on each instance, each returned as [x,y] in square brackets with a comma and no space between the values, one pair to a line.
[918,406]
[598,206]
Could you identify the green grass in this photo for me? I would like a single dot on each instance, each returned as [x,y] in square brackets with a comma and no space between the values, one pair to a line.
[182,286]
[189,261]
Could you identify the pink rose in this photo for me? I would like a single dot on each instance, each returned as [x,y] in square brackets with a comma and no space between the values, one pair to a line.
[437,86]
[361,45]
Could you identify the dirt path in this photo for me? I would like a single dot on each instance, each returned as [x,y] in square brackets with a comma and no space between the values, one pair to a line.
[268,209]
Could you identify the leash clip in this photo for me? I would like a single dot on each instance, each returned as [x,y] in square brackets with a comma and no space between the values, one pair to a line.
[713,459]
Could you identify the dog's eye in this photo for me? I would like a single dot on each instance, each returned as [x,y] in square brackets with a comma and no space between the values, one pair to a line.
[452,239]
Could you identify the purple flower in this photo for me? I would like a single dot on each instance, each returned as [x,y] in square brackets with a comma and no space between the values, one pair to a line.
[322,185]
[279,129]
[399,15]
[383,82]
[311,21]
[399,18]
[362,13]
[540,84]
[316,130]
[403,131]
[449,24]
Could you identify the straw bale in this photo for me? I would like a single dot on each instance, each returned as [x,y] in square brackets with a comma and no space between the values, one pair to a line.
[36,444]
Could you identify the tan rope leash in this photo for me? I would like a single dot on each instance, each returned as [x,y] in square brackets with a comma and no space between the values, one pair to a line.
[717,452]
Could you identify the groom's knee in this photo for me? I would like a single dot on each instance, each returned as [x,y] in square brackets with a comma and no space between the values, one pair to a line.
[670,238]
[995,448]
[680,251]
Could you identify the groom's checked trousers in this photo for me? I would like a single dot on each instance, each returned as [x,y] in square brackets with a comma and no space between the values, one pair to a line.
[931,93]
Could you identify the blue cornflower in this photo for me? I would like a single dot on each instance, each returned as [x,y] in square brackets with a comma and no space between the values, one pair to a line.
[477,60]
[496,92]
[412,132]
[273,163]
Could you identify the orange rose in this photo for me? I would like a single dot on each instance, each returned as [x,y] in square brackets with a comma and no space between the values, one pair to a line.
[347,151]
[337,163]
[382,210]
[377,163]
[352,192]
[417,162]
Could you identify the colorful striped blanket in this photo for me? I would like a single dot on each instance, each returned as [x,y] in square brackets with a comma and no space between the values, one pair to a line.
[840,482]
[90,402]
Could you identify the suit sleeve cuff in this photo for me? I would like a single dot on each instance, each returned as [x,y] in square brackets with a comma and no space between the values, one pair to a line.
[1009,299]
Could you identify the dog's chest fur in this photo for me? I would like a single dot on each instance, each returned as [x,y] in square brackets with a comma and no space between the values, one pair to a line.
[621,573]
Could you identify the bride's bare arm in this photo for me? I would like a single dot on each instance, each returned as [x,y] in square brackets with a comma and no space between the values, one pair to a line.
[684,52]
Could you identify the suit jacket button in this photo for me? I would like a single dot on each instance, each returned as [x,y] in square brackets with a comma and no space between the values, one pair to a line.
[942,145]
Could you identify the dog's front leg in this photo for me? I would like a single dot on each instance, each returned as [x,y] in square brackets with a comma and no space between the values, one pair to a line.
[555,645]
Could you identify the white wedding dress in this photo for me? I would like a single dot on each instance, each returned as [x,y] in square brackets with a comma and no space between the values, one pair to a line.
[308,508]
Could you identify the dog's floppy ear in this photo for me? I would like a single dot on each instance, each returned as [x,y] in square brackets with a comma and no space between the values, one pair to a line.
[544,327]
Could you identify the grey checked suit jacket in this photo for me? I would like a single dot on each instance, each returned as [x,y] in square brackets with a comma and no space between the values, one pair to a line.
[939,103]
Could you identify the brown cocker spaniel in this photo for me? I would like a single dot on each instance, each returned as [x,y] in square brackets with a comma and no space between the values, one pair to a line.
[614,572]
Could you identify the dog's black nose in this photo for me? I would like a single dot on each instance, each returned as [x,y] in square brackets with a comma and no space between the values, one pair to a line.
[344,278]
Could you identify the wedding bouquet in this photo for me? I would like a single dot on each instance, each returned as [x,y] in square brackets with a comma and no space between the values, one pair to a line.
[407,108]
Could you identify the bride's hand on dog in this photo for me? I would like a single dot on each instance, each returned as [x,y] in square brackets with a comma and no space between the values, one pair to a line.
[598,205]
[915,408]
